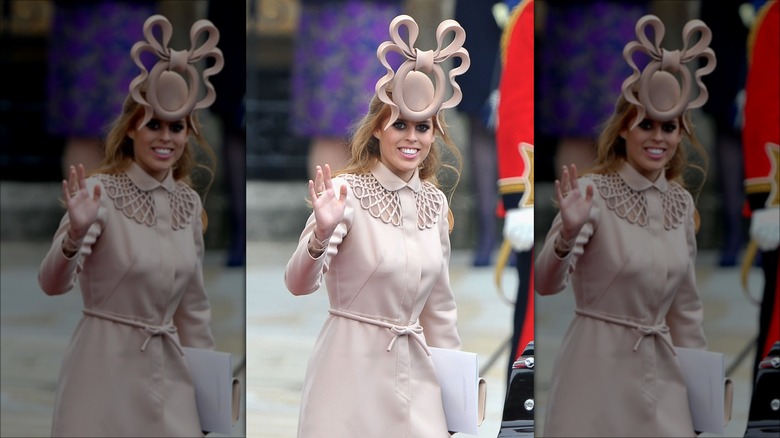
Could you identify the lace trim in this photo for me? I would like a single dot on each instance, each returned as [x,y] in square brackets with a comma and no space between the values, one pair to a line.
[184,203]
[138,205]
[385,205]
[675,203]
[620,198]
[429,203]
[631,205]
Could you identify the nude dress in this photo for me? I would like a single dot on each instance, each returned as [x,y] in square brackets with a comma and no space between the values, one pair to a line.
[386,272]
[632,272]
[140,272]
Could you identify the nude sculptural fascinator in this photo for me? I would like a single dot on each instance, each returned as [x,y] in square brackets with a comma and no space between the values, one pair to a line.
[664,86]
[170,91]
[415,97]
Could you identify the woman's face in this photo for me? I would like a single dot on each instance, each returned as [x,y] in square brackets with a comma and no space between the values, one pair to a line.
[650,145]
[158,145]
[404,145]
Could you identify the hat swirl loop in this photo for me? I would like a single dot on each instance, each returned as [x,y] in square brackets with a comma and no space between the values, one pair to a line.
[414,96]
[164,92]
[659,93]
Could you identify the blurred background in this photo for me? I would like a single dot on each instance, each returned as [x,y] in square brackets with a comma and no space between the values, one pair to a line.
[67,65]
[257,205]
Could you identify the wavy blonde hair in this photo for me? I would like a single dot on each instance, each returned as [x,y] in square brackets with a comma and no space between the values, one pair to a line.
[611,147]
[119,153]
[611,150]
[366,153]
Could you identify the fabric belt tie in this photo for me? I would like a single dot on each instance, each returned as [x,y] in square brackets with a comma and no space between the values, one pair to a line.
[659,330]
[413,330]
[168,330]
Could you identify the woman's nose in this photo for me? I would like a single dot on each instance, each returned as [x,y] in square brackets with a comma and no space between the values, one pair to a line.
[658,134]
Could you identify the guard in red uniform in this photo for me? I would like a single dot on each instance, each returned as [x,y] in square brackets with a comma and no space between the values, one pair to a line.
[515,148]
[761,143]
[514,144]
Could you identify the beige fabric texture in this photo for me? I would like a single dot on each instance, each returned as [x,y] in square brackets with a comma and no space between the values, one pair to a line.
[632,272]
[386,272]
[140,274]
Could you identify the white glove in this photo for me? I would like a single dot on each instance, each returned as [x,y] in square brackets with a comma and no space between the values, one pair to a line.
[519,228]
[765,228]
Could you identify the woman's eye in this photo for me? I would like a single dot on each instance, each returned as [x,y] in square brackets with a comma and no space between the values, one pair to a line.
[646,124]
[399,125]
[153,125]
[669,127]
[177,127]
[423,128]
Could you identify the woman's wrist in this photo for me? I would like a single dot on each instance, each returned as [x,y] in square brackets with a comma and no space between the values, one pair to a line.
[69,246]
[316,246]
[562,245]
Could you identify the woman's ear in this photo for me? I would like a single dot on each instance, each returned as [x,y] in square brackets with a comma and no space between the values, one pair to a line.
[131,133]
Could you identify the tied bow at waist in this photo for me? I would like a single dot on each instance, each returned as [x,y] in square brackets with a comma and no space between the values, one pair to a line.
[168,330]
[414,330]
[644,330]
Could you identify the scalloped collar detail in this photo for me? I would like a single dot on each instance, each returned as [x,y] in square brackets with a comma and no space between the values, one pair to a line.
[131,192]
[625,194]
[378,194]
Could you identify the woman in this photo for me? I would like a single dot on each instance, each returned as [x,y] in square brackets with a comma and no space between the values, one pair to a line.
[133,236]
[625,239]
[379,237]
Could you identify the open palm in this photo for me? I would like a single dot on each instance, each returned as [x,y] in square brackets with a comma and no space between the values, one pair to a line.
[82,207]
[575,208]
[329,206]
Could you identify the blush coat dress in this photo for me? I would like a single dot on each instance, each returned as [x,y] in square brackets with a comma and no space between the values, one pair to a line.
[632,271]
[139,268]
[386,272]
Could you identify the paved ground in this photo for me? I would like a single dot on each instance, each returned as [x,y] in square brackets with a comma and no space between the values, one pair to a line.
[281,330]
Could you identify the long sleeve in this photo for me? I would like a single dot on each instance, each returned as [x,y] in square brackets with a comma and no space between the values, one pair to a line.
[57,273]
[686,313]
[304,274]
[439,315]
[193,316]
[551,272]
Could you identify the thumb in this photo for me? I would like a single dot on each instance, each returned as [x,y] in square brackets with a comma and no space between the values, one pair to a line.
[589,193]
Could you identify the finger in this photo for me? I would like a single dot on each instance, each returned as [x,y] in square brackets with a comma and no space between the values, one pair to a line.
[82,177]
[326,177]
[312,193]
[565,181]
[575,185]
[72,183]
[96,194]
[65,191]
[318,180]
[343,192]
[558,191]
[588,193]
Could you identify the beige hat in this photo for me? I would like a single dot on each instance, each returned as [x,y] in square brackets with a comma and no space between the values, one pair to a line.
[173,85]
[415,97]
[663,89]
